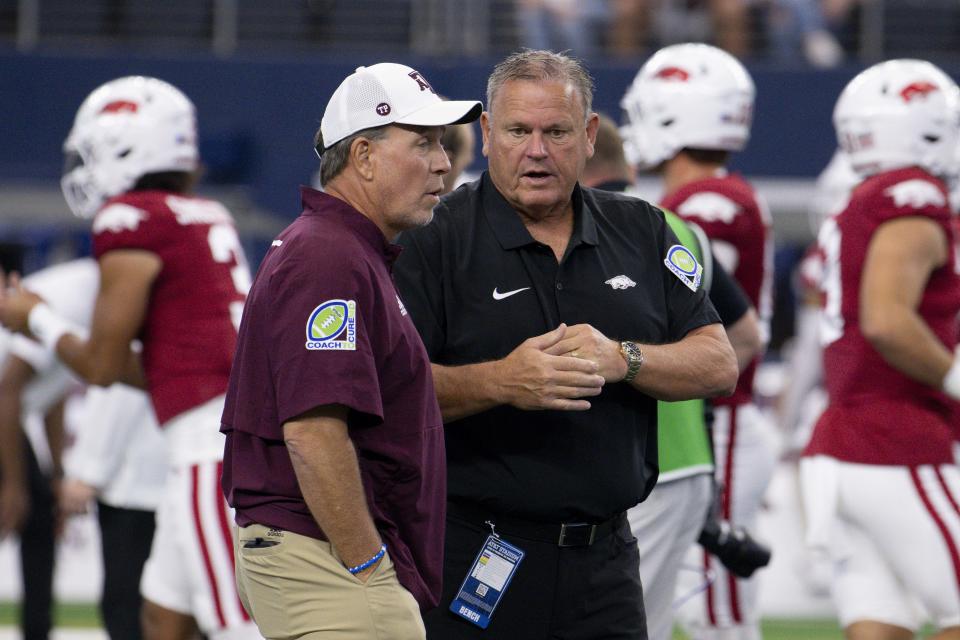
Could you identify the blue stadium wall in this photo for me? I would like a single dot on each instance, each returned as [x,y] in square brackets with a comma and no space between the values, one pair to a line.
[257,116]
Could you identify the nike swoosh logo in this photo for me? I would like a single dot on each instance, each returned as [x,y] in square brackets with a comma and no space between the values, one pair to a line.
[506,294]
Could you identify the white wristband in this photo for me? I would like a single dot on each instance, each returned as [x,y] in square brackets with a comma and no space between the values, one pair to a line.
[47,327]
[951,381]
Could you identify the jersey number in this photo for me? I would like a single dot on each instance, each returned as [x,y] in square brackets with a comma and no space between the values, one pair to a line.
[831,320]
[226,248]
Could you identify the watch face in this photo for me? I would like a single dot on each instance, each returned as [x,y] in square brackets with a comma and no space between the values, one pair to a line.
[634,358]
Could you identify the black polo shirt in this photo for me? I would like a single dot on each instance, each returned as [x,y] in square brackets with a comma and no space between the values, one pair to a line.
[477,284]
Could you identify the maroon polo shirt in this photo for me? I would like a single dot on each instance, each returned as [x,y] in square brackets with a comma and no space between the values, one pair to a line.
[323,324]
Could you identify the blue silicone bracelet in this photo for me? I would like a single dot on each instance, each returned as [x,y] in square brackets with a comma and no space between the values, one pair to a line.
[376,558]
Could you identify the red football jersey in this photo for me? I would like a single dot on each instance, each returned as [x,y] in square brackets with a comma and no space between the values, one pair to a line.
[741,233]
[955,405]
[878,415]
[190,330]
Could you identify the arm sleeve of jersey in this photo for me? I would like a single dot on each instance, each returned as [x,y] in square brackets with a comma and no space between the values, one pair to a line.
[720,217]
[727,297]
[102,437]
[305,379]
[686,309]
[417,275]
[32,352]
[122,226]
[914,197]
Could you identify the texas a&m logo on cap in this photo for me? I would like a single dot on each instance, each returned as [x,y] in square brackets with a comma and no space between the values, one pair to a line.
[421,81]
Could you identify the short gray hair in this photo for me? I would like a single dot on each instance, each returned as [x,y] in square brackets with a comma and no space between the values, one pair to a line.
[334,160]
[536,65]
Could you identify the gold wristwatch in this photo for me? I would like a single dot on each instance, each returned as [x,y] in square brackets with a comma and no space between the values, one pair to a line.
[634,356]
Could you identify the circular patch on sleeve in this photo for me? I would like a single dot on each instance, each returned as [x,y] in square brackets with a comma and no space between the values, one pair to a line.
[327,320]
[681,263]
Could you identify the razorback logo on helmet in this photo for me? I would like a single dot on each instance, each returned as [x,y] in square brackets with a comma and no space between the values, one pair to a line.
[916,193]
[711,206]
[118,217]
[120,106]
[673,74]
[917,89]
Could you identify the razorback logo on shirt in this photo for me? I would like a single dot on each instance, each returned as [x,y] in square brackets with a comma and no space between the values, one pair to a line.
[118,217]
[709,205]
[916,193]
[620,282]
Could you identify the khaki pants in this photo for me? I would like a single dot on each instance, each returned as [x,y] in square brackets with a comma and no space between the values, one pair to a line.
[298,588]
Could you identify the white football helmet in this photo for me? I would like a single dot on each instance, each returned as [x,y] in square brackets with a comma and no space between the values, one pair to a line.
[687,96]
[125,129]
[899,113]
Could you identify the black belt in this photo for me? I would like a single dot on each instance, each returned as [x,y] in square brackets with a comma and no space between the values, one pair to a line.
[567,534]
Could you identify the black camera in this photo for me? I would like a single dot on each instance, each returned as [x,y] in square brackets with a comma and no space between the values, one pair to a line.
[739,553]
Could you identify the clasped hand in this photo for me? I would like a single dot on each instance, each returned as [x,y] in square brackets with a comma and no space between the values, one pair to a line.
[560,369]
[584,341]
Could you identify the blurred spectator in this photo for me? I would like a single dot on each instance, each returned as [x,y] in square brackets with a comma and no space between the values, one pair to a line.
[28,484]
[724,22]
[117,467]
[792,27]
[30,469]
[459,141]
[608,168]
[838,11]
[562,25]
[795,26]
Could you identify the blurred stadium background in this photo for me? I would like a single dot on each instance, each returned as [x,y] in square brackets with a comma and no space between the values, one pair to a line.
[260,71]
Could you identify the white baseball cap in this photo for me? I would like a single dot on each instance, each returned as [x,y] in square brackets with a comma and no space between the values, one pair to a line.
[389,93]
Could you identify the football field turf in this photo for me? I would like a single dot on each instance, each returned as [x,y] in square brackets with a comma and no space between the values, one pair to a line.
[78,620]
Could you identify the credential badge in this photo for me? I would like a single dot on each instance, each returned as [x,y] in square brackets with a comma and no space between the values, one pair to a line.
[332,326]
[683,265]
